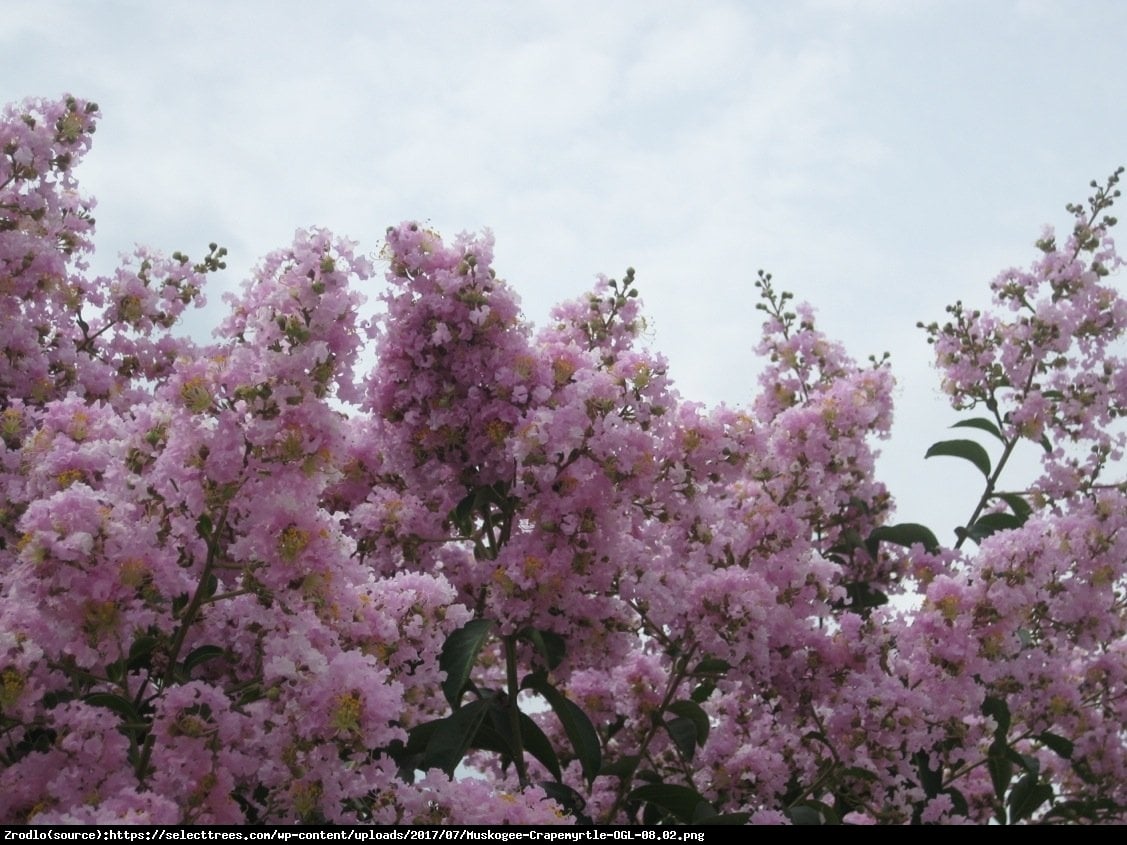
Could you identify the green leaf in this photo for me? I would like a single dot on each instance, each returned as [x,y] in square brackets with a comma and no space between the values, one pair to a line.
[1045,444]
[621,768]
[817,736]
[703,691]
[692,711]
[1017,504]
[249,693]
[203,527]
[459,653]
[703,812]
[850,539]
[1084,771]
[958,801]
[460,515]
[141,650]
[497,736]
[711,666]
[1093,810]
[906,534]
[539,746]
[681,802]
[1001,771]
[810,813]
[34,740]
[178,604]
[1027,796]
[861,595]
[828,814]
[452,737]
[551,646]
[201,655]
[982,424]
[584,739]
[997,709]
[992,523]
[120,705]
[1057,743]
[410,754]
[1027,761]
[488,738]
[966,449]
[572,802]
[930,779]
[116,671]
[684,735]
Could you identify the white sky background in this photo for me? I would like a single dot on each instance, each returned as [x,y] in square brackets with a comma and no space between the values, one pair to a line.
[882,159]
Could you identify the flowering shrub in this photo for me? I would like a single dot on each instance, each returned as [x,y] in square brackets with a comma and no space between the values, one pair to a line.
[511,575]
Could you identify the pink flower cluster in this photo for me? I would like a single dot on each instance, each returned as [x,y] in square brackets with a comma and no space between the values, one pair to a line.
[245,582]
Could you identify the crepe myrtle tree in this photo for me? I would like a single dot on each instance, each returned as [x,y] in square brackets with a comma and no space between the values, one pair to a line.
[510,575]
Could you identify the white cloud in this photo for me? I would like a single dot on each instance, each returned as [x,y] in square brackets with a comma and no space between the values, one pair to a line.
[881,157]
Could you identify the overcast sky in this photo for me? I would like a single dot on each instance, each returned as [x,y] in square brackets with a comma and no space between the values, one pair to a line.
[880,158]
